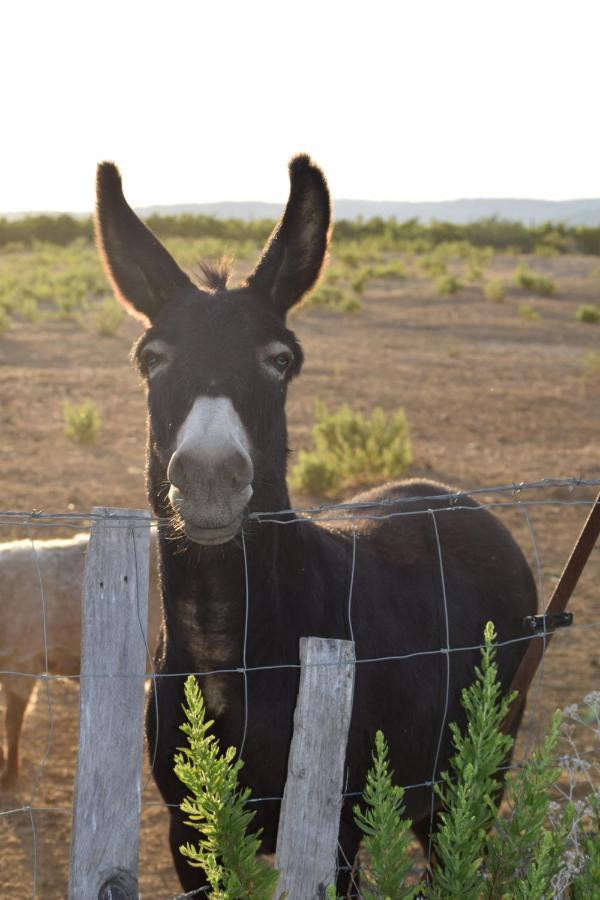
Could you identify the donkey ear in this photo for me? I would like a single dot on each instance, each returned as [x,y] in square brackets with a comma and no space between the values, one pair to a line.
[143,274]
[292,259]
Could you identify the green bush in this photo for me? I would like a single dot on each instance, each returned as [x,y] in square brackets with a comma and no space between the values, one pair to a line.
[351,449]
[588,312]
[82,421]
[4,322]
[109,316]
[480,853]
[526,311]
[335,298]
[591,365]
[495,290]
[529,280]
[447,284]
[395,269]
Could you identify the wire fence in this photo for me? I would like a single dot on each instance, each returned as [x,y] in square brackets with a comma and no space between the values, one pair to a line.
[533,510]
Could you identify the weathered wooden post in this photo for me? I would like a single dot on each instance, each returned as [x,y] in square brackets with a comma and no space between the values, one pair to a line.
[312,800]
[106,809]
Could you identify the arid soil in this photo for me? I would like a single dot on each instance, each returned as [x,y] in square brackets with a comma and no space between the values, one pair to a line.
[491,397]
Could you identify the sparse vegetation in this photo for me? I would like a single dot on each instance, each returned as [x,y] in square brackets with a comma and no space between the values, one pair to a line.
[527,311]
[494,290]
[531,281]
[109,316]
[335,298]
[591,365]
[82,421]
[589,313]
[447,284]
[4,322]
[351,449]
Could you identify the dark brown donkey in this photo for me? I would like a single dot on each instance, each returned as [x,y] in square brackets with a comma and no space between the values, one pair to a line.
[217,363]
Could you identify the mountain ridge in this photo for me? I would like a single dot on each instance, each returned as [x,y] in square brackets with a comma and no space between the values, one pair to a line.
[585,211]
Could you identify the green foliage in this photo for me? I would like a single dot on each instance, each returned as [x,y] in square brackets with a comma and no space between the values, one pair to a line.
[109,316]
[588,312]
[495,290]
[386,832]
[358,282]
[217,808]
[334,298]
[523,855]
[527,311]
[4,322]
[396,269]
[587,882]
[351,449]
[469,791]
[447,284]
[82,421]
[431,265]
[591,365]
[531,281]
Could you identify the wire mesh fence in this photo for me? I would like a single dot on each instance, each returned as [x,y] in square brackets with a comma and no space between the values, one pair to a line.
[39,655]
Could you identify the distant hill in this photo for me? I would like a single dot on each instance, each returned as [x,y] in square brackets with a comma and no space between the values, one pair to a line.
[530,212]
[459,212]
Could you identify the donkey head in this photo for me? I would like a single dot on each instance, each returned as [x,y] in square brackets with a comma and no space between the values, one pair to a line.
[216,362]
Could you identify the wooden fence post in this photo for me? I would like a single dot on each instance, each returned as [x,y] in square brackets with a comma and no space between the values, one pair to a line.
[312,800]
[106,807]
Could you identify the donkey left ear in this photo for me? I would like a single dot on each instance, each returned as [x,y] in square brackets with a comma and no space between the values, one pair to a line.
[293,256]
[144,275]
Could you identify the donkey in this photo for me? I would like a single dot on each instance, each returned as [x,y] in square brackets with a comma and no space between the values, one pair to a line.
[238,592]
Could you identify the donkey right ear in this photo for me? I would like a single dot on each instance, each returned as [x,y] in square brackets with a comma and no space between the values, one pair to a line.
[143,274]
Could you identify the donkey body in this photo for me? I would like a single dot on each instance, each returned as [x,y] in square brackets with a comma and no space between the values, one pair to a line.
[237,592]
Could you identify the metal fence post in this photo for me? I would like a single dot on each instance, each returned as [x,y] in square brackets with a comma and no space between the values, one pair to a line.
[106,808]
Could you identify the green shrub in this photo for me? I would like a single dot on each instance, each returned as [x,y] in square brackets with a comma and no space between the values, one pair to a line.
[531,281]
[29,310]
[474,272]
[82,421]
[495,290]
[335,298]
[4,322]
[432,266]
[386,832]
[447,284]
[352,449]
[395,269]
[109,316]
[479,853]
[359,281]
[591,365]
[588,312]
[526,311]
[217,808]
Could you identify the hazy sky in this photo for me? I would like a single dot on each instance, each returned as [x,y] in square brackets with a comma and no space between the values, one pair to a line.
[200,101]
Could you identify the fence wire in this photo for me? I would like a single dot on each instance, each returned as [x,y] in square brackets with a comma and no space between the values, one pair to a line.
[523,497]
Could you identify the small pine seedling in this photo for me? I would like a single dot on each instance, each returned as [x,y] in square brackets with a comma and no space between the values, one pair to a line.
[218,809]
[82,421]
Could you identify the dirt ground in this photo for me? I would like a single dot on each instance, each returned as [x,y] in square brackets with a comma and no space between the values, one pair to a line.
[491,398]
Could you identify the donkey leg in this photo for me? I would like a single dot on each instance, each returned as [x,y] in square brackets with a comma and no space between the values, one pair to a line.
[16,704]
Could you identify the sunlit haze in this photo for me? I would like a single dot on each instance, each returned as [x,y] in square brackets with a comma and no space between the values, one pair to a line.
[207,101]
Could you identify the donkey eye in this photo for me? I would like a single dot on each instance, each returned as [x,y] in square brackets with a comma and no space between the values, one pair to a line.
[281,362]
[151,360]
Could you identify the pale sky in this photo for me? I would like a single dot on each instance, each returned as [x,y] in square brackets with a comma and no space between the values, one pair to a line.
[205,101]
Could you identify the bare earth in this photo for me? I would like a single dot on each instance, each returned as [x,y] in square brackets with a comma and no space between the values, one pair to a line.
[491,398]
